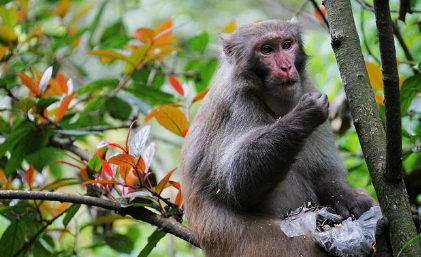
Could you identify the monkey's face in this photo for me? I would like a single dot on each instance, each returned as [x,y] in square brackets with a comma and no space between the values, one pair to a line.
[274,60]
[269,51]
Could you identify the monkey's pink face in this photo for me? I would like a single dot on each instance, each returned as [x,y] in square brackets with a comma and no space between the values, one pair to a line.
[276,52]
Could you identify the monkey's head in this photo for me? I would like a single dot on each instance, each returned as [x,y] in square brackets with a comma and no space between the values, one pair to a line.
[270,51]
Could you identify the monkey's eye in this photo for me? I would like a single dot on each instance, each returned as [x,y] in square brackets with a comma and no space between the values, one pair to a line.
[287,44]
[266,49]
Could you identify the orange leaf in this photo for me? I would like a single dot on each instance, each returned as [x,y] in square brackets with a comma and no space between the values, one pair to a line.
[109,55]
[171,118]
[152,113]
[163,183]
[2,52]
[375,75]
[124,160]
[140,165]
[176,84]
[107,168]
[102,182]
[379,99]
[84,173]
[175,184]
[124,171]
[58,208]
[317,14]
[29,83]
[179,199]
[62,8]
[145,35]
[200,96]
[29,176]
[63,107]
[62,82]
[230,27]
[163,32]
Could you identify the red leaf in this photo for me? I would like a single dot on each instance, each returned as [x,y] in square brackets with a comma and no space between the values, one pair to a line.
[179,199]
[107,168]
[116,146]
[317,13]
[29,176]
[126,145]
[200,96]
[176,84]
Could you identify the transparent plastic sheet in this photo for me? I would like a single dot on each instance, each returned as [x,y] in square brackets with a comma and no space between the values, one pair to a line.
[351,238]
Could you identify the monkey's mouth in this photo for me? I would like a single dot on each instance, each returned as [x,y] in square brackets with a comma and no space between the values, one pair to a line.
[289,82]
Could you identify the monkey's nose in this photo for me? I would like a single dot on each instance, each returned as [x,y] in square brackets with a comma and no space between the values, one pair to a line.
[286,71]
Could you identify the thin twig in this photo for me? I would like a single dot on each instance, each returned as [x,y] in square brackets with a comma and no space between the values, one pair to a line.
[34,237]
[402,43]
[168,225]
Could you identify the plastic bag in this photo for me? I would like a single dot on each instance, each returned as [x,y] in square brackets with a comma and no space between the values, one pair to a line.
[350,238]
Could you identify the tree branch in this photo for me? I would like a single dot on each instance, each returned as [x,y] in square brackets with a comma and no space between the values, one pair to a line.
[168,225]
[392,194]
[391,90]
[67,144]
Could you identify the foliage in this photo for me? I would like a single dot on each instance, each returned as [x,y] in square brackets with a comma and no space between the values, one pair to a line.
[72,79]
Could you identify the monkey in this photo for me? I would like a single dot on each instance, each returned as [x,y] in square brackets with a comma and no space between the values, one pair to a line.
[260,145]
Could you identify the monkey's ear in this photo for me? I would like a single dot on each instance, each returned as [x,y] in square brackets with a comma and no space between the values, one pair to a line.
[294,19]
[227,43]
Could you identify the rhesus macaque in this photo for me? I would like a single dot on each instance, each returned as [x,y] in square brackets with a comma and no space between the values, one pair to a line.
[259,146]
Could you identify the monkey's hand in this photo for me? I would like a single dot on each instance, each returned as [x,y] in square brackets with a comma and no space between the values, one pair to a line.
[312,108]
[356,204]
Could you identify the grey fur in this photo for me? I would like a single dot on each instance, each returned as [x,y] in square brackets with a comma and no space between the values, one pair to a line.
[252,154]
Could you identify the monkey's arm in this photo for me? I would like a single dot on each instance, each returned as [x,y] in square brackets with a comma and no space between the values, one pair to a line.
[251,166]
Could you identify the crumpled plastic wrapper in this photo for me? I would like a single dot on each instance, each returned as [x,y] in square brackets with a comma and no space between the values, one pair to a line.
[350,238]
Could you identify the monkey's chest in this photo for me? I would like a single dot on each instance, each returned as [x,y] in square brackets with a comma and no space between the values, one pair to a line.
[292,192]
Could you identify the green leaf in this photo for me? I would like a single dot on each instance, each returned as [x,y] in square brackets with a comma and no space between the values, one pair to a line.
[9,15]
[205,70]
[118,108]
[71,213]
[199,42]
[95,23]
[95,163]
[120,243]
[409,89]
[92,115]
[153,239]
[31,143]
[114,36]
[19,131]
[97,85]
[44,157]
[43,103]
[25,104]
[13,239]
[409,243]
[150,95]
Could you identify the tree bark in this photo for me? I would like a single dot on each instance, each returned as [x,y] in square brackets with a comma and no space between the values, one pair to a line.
[390,189]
